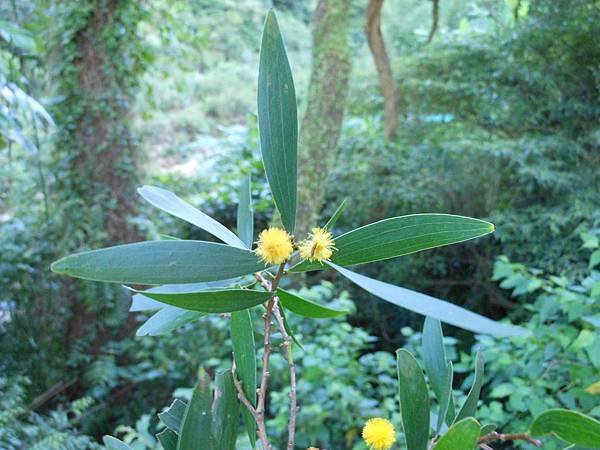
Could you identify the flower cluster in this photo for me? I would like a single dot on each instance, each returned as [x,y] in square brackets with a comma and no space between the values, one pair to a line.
[379,434]
[275,246]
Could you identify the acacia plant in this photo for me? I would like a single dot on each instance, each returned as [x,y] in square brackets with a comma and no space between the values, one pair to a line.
[189,278]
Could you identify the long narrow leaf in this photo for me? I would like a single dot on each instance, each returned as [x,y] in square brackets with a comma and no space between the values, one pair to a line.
[305,307]
[414,401]
[399,236]
[226,300]
[173,415]
[430,306]
[278,122]
[166,320]
[245,214]
[160,262]
[571,426]
[469,408]
[225,412]
[174,205]
[336,215]
[196,425]
[437,367]
[244,353]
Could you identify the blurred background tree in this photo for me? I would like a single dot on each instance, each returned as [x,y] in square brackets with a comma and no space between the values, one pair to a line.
[497,117]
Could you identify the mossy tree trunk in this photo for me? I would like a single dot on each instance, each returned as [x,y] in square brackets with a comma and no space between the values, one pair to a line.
[322,122]
[96,58]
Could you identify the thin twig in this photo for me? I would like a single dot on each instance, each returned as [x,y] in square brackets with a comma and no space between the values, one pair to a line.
[287,344]
[495,436]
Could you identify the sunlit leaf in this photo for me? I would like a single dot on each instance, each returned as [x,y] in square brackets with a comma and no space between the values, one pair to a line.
[166,320]
[430,306]
[112,443]
[173,415]
[336,215]
[172,204]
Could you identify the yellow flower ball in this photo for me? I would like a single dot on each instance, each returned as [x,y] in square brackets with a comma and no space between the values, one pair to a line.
[379,434]
[274,246]
[318,246]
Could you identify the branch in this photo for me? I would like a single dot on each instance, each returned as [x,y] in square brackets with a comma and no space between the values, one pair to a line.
[435,13]
[495,436]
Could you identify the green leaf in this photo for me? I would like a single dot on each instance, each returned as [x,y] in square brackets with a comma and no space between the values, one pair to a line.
[306,308]
[197,421]
[173,415]
[414,401]
[469,408]
[244,354]
[226,300]
[336,215]
[595,259]
[112,443]
[487,429]
[245,214]
[462,435]
[570,426]
[168,439]
[278,122]
[172,204]
[437,367]
[167,320]
[289,330]
[160,262]
[430,306]
[225,414]
[140,302]
[399,236]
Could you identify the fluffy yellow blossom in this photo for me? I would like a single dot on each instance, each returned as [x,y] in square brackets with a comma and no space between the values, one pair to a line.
[318,246]
[274,246]
[379,434]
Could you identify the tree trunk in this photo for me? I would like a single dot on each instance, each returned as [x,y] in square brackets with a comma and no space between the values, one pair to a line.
[384,69]
[322,122]
[97,62]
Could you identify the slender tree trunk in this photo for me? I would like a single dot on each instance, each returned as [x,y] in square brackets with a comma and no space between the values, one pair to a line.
[322,122]
[384,69]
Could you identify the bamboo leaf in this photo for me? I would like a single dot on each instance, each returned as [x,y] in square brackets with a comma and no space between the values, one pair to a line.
[462,435]
[305,307]
[469,408]
[226,300]
[278,122]
[430,306]
[570,426]
[399,236]
[160,262]
[414,401]
[244,353]
[245,214]
[174,205]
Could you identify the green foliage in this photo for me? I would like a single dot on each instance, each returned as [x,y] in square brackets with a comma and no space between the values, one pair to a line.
[23,428]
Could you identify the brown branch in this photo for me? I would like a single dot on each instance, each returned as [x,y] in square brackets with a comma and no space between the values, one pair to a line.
[384,70]
[495,436]
[287,345]
[435,15]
